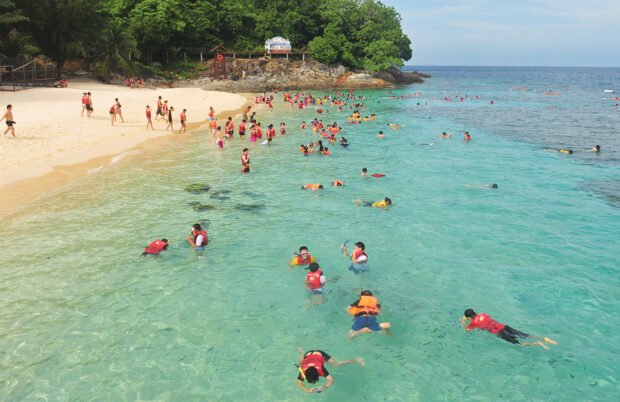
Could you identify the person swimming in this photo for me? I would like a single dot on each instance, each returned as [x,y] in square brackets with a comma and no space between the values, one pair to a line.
[386,202]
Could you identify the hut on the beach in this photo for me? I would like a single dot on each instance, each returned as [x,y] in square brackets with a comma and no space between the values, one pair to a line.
[278,45]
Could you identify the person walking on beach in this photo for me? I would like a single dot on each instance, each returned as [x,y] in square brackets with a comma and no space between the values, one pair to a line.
[471,321]
[183,118]
[84,103]
[8,115]
[245,161]
[170,125]
[312,366]
[159,111]
[118,111]
[149,122]
[164,110]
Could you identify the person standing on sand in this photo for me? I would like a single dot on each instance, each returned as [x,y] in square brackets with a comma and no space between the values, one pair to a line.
[149,122]
[164,110]
[246,110]
[113,113]
[183,118]
[8,115]
[159,111]
[89,105]
[170,125]
[119,112]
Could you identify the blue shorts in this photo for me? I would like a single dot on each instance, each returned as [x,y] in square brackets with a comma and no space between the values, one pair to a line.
[357,268]
[318,291]
[366,321]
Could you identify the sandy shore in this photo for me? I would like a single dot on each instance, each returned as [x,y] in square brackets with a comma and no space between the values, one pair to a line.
[55,144]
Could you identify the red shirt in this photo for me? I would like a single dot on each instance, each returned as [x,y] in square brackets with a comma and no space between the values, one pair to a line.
[485,322]
[148,114]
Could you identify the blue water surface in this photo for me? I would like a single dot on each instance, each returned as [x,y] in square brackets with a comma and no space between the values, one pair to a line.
[84,317]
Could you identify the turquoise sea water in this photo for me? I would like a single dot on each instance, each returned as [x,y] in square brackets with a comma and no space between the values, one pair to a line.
[83,317]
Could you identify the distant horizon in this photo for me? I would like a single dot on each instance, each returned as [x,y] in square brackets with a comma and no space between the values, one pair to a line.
[528,33]
[499,65]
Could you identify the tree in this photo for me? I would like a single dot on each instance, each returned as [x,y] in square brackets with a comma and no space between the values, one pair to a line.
[9,15]
[60,26]
[116,44]
[380,55]
[18,45]
[322,50]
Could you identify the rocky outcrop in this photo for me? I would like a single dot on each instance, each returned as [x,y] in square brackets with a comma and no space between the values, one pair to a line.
[264,74]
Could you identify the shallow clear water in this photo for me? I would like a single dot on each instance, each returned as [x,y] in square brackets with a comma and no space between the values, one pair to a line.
[84,317]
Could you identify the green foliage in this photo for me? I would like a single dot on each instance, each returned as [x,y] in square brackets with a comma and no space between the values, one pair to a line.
[18,45]
[116,44]
[359,34]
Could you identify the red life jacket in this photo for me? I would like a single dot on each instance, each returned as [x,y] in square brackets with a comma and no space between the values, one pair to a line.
[272,132]
[314,279]
[306,261]
[156,247]
[357,255]
[204,233]
[315,360]
[241,128]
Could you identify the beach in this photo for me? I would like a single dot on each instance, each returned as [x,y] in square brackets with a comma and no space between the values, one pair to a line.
[56,145]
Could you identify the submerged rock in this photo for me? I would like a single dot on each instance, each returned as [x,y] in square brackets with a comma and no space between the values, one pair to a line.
[198,207]
[197,188]
[249,207]
[218,195]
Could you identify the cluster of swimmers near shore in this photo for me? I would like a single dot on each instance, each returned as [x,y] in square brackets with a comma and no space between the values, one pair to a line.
[365,310]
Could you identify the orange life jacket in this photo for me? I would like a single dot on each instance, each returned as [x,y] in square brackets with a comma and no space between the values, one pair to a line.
[305,261]
[358,254]
[312,186]
[367,305]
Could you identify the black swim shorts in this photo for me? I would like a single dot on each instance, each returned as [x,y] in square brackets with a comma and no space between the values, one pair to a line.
[510,334]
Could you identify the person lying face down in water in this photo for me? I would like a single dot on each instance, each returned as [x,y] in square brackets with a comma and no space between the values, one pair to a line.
[312,366]
[386,202]
[471,321]
[493,186]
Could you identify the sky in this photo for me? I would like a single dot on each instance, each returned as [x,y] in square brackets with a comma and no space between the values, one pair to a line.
[512,32]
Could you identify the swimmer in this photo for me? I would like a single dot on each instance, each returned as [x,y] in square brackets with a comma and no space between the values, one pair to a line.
[445,135]
[338,183]
[466,136]
[386,202]
[245,161]
[198,237]
[565,151]
[312,366]
[394,126]
[365,310]
[364,172]
[471,321]
[315,280]
[156,247]
[312,186]
[596,148]
[380,135]
[303,258]
[303,125]
[359,258]
[491,186]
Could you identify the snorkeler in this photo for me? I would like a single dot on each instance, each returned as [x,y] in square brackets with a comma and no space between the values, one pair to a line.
[365,310]
[198,237]
[394,126]
[471,321]
[493,186]
[386,202]
[565,151]
[312,186]
[315,279]
[312,366]
[338,183]
[303,258]
[359,258]
[156,247]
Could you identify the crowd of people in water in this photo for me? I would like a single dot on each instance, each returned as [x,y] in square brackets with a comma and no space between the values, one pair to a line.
[365,310]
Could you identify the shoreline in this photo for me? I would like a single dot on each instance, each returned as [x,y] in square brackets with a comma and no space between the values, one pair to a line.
[27,183]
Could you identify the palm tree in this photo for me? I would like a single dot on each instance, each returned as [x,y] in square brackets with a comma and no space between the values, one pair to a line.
[117,46]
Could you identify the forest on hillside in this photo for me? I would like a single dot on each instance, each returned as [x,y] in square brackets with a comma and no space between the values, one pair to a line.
[120,35]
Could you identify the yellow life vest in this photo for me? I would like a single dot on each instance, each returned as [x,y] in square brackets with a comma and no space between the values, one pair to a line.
[380,204]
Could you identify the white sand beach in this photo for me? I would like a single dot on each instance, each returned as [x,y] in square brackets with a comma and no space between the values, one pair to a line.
[51,133]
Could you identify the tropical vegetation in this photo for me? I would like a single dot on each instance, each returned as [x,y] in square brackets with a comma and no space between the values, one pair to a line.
[113,35]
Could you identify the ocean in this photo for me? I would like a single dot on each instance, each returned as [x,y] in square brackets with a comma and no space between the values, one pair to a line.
[85,317]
